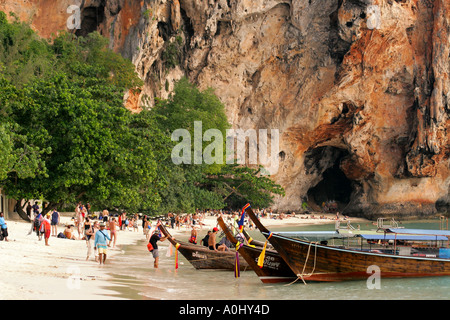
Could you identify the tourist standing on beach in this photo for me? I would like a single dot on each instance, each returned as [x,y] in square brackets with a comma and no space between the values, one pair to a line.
[153,241]
[32,216]
[55,222]
[135,223]
[113,230]
[105,215]
[88,233]
[172,219]
[80,213]
[177,222]
[37,225]
[46,228]
[29,211]
[146,226]
[95,228]
[123,221]
[3,227]
[101,242]
[35,208]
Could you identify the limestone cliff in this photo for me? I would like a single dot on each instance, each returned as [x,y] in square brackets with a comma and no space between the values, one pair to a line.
[359,89]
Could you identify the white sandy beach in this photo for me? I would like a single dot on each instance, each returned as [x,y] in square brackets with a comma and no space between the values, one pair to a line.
[32,271]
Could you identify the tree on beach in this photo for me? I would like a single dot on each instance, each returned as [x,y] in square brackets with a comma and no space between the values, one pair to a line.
[239,184]
[95,149]
[66,136]
[17,155]
[81,142]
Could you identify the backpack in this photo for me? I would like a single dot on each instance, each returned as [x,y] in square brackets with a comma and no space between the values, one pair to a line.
[37,223]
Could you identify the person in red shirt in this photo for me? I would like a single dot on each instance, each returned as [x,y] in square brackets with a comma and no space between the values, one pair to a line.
[46,228]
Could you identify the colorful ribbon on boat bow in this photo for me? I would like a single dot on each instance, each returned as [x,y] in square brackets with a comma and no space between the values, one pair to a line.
[249,241]
[237,265]
[241,221]
[263,252]
[176,255]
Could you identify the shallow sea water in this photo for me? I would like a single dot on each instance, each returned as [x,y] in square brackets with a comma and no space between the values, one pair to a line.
[134,277]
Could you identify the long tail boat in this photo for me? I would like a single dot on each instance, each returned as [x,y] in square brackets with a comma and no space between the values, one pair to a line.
[273,270]
[203,258]
[312,261]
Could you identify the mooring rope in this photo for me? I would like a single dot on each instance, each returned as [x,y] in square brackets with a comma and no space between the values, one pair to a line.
[301,275]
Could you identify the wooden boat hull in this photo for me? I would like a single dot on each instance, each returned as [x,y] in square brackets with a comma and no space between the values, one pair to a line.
[201,257]
[274,268]
[314,262]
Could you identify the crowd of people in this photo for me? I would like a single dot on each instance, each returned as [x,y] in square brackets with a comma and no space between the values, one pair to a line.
[101,230]
[98,229]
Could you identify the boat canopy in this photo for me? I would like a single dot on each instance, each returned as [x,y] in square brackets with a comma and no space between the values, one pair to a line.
[445,233]
[314,235]
[403,237]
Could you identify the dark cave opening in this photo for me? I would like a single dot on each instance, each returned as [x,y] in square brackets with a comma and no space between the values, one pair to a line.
[334,186]
[91,18]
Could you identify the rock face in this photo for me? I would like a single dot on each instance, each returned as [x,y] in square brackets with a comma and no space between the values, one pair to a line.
[358,89]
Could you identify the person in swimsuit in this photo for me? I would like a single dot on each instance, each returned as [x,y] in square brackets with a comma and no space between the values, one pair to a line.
[55,222]
[212,245]
[112,229]
[88,233]
[68,232]
[193,238]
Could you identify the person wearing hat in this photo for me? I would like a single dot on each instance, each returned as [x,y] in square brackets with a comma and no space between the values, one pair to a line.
[153,241]
[212,245]
[101,242]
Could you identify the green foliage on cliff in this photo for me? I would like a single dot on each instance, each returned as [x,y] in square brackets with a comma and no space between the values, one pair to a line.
[215,185]
[65,135]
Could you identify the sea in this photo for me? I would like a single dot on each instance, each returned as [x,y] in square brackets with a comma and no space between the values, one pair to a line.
[134,277]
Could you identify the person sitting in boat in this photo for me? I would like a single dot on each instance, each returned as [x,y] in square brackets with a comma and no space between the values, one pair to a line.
[206,238]
[212,245]
[225,242]
[193,238]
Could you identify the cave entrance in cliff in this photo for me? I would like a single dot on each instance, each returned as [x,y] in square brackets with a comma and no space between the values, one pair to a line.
[332,187]
[91,18]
